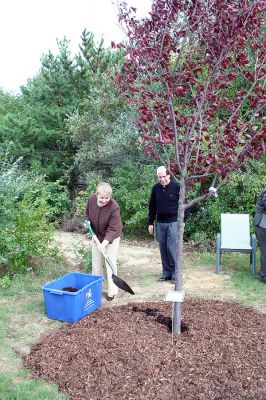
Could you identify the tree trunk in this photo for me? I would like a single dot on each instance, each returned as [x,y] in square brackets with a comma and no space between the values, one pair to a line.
[179,256]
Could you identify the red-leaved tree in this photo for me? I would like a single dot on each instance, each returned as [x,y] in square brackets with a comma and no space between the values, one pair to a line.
[195,72]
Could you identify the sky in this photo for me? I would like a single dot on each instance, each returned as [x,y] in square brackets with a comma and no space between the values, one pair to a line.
[30,28]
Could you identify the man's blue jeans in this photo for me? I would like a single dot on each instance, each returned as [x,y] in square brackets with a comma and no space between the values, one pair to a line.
[166,237]
[261,236]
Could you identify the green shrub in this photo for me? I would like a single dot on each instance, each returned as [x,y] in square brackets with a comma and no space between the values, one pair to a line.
[132,185]
[24,228]
[55,195]
[5,282]
[238,195]
[32,232]
[86,257]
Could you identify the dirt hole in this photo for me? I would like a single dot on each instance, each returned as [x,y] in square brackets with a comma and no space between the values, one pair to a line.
[160,318]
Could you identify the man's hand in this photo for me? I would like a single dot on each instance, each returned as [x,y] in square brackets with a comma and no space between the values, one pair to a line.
[150,229]
[213,191]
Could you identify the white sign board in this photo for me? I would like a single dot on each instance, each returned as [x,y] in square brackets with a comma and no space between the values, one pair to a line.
[175,296]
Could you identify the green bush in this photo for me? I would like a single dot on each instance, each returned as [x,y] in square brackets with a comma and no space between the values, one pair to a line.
[238,195]
[86,257]
[132,185]
[24,228]
[55,195]
[32,233]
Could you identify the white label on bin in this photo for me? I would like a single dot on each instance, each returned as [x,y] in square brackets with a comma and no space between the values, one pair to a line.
[90,301]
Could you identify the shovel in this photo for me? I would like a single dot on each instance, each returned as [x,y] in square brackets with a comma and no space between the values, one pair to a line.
[117,281]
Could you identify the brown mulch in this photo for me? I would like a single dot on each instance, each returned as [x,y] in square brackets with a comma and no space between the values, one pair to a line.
[126,353]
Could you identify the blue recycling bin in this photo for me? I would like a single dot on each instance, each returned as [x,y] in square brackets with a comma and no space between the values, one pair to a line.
[70,306]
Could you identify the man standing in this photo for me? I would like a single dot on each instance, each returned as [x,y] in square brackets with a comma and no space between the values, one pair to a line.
[260,230]
[163,208]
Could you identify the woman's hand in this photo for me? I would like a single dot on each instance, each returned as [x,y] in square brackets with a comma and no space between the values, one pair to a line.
[103,245]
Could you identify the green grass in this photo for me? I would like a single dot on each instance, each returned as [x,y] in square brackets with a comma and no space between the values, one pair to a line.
[15,381]
[22,321]
[205,259]
[19,387]
[148,279]
[237,267]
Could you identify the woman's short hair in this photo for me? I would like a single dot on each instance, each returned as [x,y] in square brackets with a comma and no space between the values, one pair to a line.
[104,187]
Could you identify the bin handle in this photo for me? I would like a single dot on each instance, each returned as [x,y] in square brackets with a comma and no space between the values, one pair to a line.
[56,291]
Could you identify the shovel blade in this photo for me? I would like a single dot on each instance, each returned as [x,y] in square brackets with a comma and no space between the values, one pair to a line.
[122,284]
[118,281]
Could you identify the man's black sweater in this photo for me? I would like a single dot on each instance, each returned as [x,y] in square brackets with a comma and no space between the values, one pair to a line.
[163,204]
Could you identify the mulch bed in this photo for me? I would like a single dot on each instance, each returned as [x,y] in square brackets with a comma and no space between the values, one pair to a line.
[126,353]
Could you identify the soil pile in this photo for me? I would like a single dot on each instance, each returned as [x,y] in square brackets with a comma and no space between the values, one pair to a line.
[126,353]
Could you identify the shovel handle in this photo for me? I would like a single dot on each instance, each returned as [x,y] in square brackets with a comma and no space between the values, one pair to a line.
[88,225]
[117,281]
[98,243]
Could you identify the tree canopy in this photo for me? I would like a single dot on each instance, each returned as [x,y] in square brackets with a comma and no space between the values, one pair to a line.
[195,72]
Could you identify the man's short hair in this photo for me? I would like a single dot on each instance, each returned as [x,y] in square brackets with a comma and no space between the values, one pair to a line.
[162,170]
